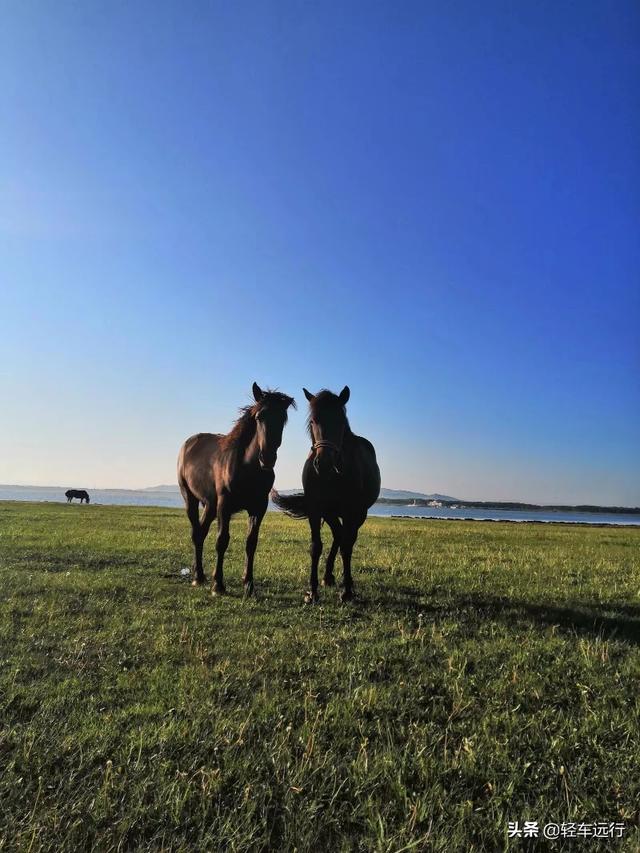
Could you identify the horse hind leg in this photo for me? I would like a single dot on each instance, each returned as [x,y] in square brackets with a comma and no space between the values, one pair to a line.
[315,552]
[193,514]
[222,543]
[206,520]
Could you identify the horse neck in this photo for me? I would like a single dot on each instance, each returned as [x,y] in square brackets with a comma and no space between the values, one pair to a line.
[348,437]
[242,440]
[251,450]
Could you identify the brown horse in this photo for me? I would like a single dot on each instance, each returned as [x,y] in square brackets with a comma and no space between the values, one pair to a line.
[229,473]
[341,480]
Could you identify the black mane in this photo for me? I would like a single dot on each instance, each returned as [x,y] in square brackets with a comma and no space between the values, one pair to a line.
[244,428]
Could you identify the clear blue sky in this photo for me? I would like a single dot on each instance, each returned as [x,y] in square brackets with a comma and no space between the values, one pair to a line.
[435,203]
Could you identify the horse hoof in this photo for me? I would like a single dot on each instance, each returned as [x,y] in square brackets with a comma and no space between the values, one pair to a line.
[328,580]
[347,595]
[218,589]
[248,590]
[198,581]
[311,598]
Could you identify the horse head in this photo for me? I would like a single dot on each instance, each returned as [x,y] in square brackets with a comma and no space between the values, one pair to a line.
[270,414]
[327,427]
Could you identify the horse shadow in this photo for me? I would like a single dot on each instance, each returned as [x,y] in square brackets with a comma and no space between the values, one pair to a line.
[607,621]
[428,604]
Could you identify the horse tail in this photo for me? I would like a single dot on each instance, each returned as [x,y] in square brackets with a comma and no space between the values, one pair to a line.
[293,505]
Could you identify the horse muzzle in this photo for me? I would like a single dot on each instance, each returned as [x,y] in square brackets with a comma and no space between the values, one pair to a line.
[267,463]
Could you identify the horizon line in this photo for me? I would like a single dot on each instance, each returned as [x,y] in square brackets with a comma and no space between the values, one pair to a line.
[298,488]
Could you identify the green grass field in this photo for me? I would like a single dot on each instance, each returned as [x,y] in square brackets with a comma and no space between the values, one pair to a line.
[488,673]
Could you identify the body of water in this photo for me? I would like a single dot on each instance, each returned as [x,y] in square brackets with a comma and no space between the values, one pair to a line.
[166,498]
[506,515]
[120,497]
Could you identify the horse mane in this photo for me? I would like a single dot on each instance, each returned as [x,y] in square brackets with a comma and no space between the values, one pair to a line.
[244,428]
[324,400]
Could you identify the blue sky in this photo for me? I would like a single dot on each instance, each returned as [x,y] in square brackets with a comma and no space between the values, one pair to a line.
[435,203]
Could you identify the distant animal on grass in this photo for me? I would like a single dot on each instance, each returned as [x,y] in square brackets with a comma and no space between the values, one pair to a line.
[341,480]
[77,493]
[229,473]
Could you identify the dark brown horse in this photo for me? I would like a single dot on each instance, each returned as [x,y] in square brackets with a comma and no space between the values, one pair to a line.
[229,473]
[70,494]
[341,480]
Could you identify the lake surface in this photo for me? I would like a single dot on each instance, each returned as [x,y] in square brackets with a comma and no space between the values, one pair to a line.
[150,497]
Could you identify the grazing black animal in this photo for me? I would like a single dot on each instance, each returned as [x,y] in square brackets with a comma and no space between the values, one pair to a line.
[341,480]
[228,473]
[77,493]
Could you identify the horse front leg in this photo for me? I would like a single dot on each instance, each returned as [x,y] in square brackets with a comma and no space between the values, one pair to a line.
[349,536]
[199,534]
[222,543]
[336,530]
[315,552]
[253,531]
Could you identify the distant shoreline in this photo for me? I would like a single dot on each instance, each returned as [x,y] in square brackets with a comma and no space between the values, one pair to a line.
[175,507]
[609,524]
[513,506]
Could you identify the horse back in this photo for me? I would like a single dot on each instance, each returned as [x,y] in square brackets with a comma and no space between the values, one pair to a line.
[365,470]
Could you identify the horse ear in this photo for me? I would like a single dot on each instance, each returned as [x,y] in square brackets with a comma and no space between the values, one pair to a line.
[257,392]
[344,395]
[310,397]
[291,402]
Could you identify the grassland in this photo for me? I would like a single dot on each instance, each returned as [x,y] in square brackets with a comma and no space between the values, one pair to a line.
[488,673]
